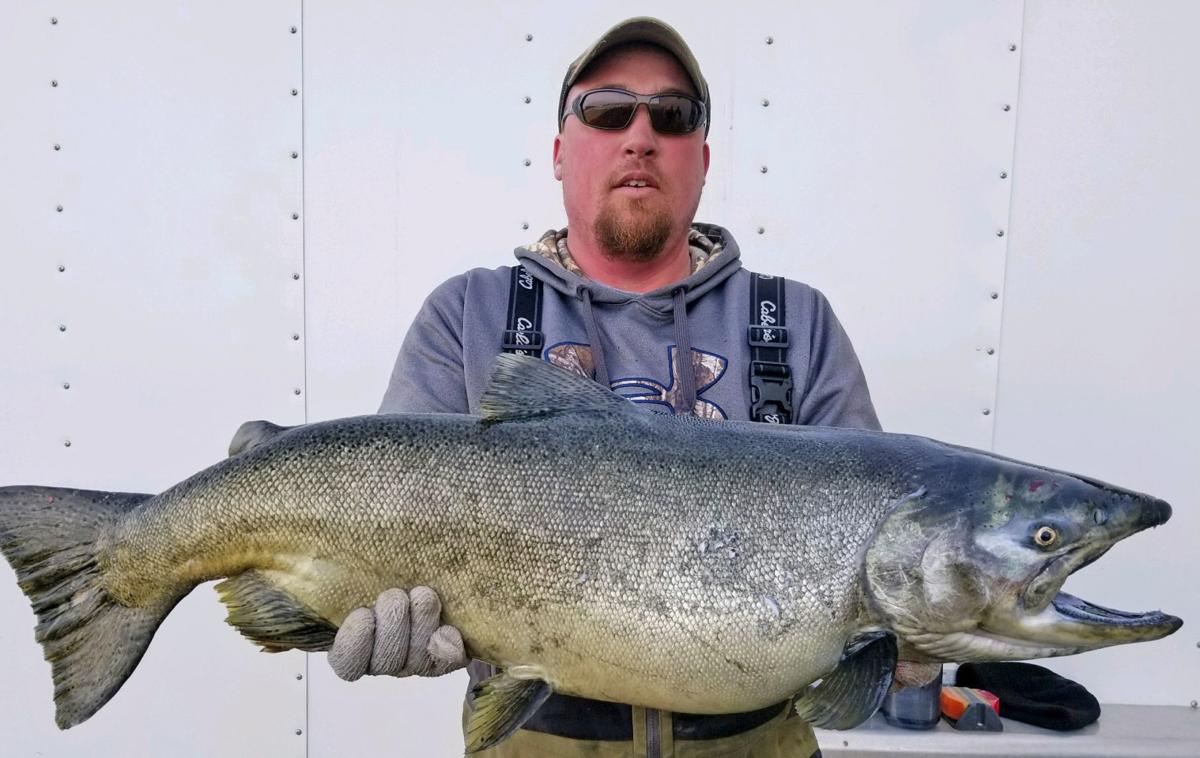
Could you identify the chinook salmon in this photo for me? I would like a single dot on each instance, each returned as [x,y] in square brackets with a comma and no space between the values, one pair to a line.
[590,548]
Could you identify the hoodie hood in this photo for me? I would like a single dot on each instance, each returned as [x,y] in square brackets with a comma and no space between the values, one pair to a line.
[715,257]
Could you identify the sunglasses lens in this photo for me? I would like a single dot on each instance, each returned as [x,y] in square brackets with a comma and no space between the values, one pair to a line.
[606,109]
[675,115]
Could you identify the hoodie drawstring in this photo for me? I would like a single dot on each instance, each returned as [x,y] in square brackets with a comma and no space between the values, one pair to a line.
[593,333]
[683,350]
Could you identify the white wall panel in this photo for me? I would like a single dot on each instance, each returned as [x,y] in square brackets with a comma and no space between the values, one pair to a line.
[175,124]
[1100,348]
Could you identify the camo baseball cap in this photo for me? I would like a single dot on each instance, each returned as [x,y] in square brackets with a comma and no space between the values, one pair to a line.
[639,29]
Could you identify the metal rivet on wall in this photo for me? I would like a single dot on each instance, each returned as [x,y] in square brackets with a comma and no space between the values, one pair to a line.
[295,217]
[66,385]
[1003,174]
[299,677]
[999,232]
[527,162]
[995,295]
[528,99]
[66,443]
[57,146]
[991,351]
[61,268]
[1007,107]
[295,337]
[296,276]
[293,30]
[1012,48]
[529,38]
[295,154]
[765,102]
[295,92]
[299,732]
[53,82]
[762,230]
[770,40]
[58,208]
[762,170]
[1194,703]
[62,327]
[296,391]
[53,20]
[524,224]
[987,411]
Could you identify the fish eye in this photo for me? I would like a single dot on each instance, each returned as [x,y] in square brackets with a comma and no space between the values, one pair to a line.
[1045,536]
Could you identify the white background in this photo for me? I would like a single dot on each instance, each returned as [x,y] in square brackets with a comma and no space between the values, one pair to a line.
[885,139]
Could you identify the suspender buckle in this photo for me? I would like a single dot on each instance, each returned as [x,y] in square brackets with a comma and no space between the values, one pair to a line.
[770,392]
[769,336]
[523,342]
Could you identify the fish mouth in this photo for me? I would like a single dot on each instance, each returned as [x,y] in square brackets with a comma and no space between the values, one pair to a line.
[1155,624]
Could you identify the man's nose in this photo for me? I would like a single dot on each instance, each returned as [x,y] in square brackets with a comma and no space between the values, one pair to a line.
[640,137]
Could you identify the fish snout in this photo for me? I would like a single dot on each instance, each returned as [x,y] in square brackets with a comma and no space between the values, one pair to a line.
[1153,512]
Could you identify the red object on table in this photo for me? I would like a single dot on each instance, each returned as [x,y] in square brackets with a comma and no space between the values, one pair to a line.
[956,700]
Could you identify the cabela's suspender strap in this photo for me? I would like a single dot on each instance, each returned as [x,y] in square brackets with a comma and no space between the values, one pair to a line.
[770,374]
[523,334]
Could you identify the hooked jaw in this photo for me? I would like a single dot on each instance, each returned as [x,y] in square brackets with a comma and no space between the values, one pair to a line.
[997,595]
[1045,622]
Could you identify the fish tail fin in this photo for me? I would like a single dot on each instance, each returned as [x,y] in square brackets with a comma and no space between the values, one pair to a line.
[91,640]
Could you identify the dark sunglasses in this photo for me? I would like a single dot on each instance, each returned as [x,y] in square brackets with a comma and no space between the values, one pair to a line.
[615,108]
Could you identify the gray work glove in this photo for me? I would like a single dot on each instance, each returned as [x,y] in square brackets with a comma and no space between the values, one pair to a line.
[401,636]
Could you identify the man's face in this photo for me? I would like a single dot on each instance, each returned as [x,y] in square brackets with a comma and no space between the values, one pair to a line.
[631,222]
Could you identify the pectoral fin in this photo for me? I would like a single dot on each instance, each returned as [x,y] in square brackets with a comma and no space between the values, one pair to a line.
[502,704]
[853,691]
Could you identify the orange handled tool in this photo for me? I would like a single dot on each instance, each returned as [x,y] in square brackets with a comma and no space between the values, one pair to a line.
[971,709]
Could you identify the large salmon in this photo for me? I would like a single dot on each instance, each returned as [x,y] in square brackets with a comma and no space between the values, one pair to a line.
[587,547]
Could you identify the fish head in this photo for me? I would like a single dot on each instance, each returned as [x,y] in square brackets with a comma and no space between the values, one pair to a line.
[971,568]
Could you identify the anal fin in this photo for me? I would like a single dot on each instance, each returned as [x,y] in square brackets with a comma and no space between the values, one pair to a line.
[270,616]
[502,703]
[855,689]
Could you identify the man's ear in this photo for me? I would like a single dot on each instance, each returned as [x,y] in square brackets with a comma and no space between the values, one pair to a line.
[706,159]
[558,148]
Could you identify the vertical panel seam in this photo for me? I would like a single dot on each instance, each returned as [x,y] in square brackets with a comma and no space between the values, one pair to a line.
[303,232]
[306,746]
[1012,177]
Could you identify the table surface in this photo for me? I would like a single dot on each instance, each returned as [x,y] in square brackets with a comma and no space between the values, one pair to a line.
[1124,731]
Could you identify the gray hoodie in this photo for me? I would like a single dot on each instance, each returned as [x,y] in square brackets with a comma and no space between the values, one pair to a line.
[632,341]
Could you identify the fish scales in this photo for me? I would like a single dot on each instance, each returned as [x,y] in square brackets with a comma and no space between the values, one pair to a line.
[671,550]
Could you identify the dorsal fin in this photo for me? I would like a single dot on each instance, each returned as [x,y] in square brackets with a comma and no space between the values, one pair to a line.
[526,387]
[254,433]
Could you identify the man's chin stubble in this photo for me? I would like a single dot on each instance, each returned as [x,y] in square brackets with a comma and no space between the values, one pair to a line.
[638,235]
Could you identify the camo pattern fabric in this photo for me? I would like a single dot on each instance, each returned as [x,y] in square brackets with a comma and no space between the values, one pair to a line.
[553,247]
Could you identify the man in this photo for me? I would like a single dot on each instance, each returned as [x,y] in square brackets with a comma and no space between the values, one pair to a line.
[635,295]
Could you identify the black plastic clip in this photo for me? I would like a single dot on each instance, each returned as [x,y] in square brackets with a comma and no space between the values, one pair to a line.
[770,392]
[769,336]
[523,342]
